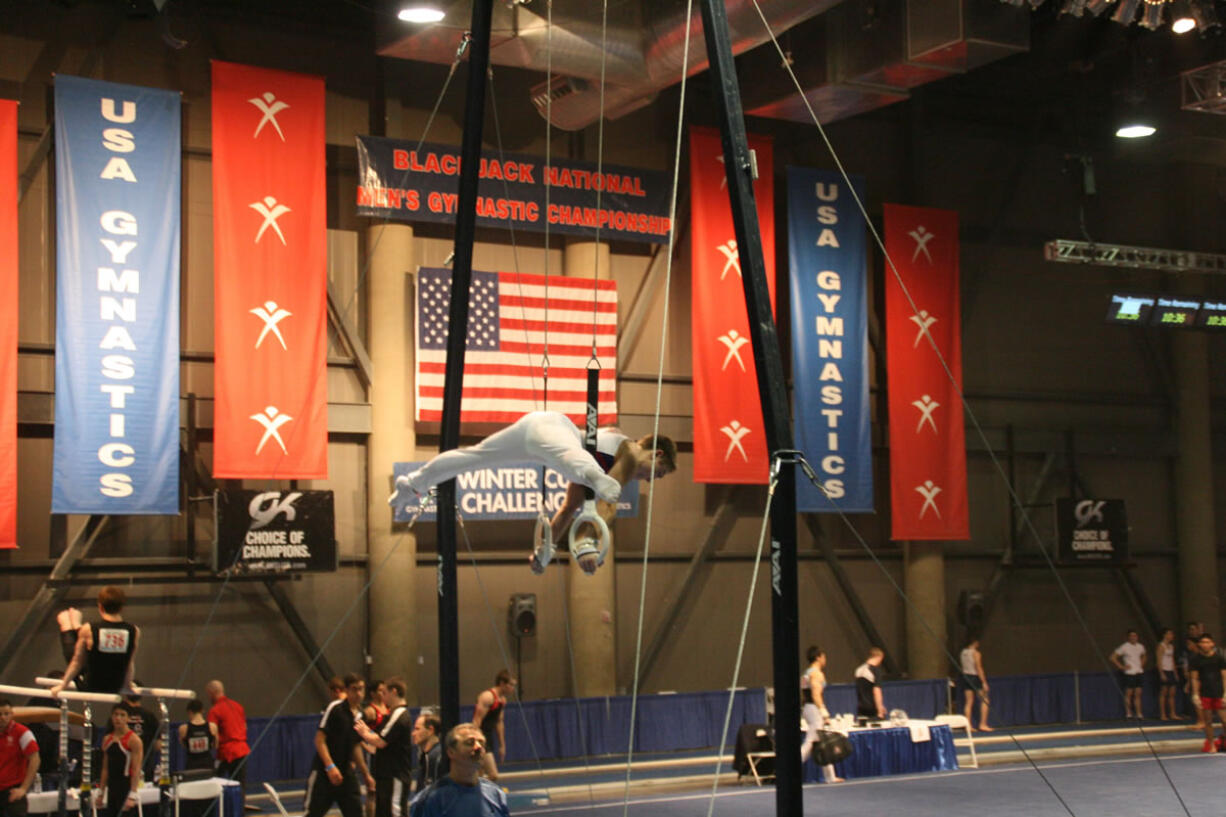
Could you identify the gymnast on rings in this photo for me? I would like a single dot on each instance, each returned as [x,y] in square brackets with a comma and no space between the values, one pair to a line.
[551,439]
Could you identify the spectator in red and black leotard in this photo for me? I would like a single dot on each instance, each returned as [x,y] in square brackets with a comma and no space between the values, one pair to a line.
[488,716]
[122,752]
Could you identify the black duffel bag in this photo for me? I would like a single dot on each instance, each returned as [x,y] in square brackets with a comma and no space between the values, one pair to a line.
[831,747]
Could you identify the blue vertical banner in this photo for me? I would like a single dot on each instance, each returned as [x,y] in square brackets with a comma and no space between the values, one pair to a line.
[826,251]
[117,165]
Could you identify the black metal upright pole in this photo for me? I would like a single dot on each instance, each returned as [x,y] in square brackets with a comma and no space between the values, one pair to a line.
[785,640]
[449,433]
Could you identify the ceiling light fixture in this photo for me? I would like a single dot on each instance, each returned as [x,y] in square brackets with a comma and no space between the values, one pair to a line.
[1125,12]
[1097,7]
[1205,15]
[1136,130]
[421,13]
[1151,15]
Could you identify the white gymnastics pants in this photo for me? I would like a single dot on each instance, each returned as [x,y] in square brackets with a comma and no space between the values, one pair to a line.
[545,437]
[813,722]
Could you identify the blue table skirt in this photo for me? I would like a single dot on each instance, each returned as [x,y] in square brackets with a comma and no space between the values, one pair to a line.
[891,751]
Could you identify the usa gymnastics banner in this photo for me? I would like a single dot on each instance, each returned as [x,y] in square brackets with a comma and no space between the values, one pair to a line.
[729,440]
[117,175]
[270,273]
[923,336]
[828,275]
[8,324]
[403,180]
[505,345]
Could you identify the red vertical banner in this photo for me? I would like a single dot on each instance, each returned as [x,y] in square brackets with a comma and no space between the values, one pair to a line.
[270,274]
[8,324]
[729,437]
[923,340]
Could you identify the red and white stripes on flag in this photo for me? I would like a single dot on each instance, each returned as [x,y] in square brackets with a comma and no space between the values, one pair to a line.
[729,436]
[8,324]
[927,439]
[506,342]
[270,275]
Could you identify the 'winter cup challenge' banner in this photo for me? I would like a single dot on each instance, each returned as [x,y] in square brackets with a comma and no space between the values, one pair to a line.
[830,341]
[505,492]
[117,299]
[398,179]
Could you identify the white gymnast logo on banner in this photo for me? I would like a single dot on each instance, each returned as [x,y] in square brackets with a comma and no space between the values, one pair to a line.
[923,320]
[732,261]
[265,507]
[272,420]
[272,315]
[270,106]
[922,237]
[734,341]
[929,491]
[926,406]
[271,211]
[735,433]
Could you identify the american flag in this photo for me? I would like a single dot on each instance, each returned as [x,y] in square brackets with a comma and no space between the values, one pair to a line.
[504,357]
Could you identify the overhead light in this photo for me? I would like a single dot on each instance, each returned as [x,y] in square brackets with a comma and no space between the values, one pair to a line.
[1136,130]
[1151,14]
[1096,7]
[1205,15]
[421,13]
[1074,8]
[1125,12]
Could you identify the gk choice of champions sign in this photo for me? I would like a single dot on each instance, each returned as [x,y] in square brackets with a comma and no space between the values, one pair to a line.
[1091,530]
[274,531]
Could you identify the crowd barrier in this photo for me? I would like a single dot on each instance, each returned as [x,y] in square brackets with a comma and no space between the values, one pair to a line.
[568,728]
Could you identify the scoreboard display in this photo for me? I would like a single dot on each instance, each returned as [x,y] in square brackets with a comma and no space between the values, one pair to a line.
[1169,311]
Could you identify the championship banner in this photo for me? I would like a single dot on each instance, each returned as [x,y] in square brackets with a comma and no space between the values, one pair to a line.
[270,273]
[274,532]
[729,436]
[927,443]
[402,180]
[8,324]
[829,291]
[505,492]
[505,346]
[1091,531]
[117,173]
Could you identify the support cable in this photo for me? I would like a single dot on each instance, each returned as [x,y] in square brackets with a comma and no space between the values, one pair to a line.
[1014,498]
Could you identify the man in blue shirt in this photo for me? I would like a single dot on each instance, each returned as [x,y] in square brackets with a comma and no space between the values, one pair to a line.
[462,793]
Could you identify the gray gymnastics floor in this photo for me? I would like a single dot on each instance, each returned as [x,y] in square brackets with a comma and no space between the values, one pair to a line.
[1129,787]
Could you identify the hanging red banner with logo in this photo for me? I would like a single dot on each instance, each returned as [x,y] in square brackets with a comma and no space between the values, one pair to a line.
[8,324]
[923,338]
[270,275]
[729,439]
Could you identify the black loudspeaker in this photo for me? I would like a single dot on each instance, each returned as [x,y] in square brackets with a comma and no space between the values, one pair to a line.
[970,610]
[521,615]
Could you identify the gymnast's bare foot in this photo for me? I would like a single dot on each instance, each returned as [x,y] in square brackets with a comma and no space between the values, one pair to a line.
[69,620]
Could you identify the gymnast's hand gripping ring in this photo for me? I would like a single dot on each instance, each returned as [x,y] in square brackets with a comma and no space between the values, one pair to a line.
[586,546]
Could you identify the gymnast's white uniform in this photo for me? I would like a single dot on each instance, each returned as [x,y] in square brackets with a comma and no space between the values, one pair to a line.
[546,437]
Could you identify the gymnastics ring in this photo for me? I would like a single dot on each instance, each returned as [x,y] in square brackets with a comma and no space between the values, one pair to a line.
[587,546]
[542,545]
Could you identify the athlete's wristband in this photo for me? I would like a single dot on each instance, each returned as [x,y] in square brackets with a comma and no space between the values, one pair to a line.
[329,767]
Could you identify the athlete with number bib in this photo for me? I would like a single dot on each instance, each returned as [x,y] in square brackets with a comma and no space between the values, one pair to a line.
[99,653]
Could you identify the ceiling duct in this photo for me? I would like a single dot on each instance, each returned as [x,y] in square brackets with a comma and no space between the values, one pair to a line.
[864,54]
[643,53]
